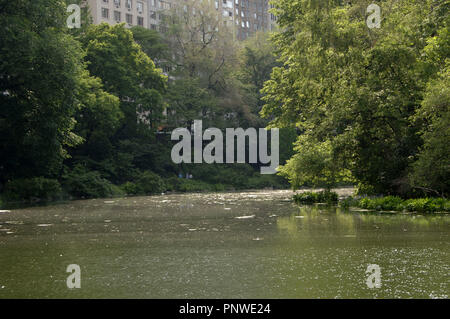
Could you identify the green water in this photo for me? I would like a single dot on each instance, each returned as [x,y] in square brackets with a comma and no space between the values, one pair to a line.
[194,246]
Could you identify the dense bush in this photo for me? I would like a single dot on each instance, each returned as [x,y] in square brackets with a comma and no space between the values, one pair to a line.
[146,184]
[32,189]
[189,185]
[316,197]
[173,183]
[349,202]
[82,183]
[393,203]
[427,205]
[176,184]
[266,181]
[224,177]
[150,183]
[365,190]
[382,203]
[131,188]
[236,174]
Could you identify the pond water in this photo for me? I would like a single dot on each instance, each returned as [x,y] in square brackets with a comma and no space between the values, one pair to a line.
[226,245]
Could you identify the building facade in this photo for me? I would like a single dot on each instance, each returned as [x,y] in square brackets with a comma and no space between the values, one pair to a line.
[132,12]
[250,16]
[247,16]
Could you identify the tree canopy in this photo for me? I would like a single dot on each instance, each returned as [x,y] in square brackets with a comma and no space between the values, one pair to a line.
[353,91]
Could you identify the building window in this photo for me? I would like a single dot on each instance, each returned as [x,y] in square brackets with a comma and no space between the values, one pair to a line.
[117,3]
[140,7]
[129,4]
[129,18]
[163,17]
[165,5]
[163,29]
[105,13]
[117,16]
[153,15]
[140,21]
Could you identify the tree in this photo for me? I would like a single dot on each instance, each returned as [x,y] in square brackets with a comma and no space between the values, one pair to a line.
[97,119]
[256,61]
[152,44]
[128,73]
[431,170]
[352,88]
[120,131]
[205,56]
[41,72]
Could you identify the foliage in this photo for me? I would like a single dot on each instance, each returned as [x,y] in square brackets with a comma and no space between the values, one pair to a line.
[383,203]
[354,92]
[186,186]
[152,44]
[393,203]
[150,183]
[431,170]
[126,71]
[97,120]
[364,189]
[86,106]
[316,197]
[256,60]
[41,72]
[147,183]
[203,68]
[213,178]
[188,101]
[266,181]
[32,189]
[173,183]
[313,164]
[82,183]
[119,126]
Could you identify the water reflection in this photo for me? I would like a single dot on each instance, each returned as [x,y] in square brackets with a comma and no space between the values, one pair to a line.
[231,245]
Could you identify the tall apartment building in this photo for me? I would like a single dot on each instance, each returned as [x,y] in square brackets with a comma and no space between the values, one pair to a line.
[132,12]
[251,16]
[247,16]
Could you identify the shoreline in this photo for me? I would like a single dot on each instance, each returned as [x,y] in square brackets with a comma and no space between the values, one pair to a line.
[391,204]
[345,201]
[23,205]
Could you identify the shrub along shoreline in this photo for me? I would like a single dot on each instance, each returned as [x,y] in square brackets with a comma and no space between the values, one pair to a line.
[83,184]
[386,203]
